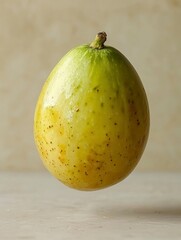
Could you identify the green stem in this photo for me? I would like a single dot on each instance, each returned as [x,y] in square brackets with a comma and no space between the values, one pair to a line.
[99,41]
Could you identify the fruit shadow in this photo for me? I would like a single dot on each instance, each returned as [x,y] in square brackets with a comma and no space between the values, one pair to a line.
[150,213]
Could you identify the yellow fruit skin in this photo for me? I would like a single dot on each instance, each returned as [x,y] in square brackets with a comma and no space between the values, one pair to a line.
[91,122]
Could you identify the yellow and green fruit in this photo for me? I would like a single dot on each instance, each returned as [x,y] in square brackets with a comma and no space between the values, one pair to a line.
[91,121]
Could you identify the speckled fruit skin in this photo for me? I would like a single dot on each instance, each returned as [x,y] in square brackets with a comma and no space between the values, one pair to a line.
[92,118]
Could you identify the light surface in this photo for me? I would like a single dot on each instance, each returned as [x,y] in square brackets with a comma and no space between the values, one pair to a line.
[36,206]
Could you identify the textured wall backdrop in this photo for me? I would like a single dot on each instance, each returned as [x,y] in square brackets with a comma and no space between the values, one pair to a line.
[34,35]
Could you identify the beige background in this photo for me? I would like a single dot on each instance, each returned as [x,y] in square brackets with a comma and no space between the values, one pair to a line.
[34,35]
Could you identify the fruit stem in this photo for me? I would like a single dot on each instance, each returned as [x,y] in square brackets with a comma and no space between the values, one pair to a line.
[99,41]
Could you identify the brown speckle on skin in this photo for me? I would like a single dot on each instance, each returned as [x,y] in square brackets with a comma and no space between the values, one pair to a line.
[77,110]
[138,122]
[95,88]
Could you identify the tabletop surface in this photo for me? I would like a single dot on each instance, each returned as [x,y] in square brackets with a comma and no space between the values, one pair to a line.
[37,206]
